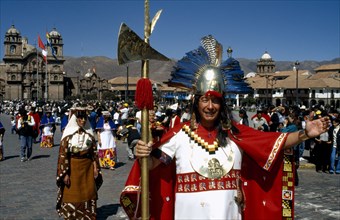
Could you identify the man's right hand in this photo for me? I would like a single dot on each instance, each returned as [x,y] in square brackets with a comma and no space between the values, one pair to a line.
[143,149]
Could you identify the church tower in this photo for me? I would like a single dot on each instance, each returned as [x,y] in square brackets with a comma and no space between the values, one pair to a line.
[55,66]
[13,55]
[266,65]
[13,43]
[56,42]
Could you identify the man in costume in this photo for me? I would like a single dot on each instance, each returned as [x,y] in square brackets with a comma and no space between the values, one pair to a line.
[78,171]
[212,167]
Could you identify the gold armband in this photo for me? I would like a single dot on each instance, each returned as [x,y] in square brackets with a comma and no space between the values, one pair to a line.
[303,136]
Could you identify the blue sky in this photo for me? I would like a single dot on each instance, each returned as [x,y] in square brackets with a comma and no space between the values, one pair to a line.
[288,29]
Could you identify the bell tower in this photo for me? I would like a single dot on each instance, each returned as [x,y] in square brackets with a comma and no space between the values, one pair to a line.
[55,66]
[266,65]
[56,42]
[13,43]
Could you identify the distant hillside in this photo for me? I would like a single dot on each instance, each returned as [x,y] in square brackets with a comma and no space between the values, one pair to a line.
[107,68]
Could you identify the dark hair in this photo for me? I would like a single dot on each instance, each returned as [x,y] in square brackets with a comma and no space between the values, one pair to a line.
[242,111]
[225,120]
[81,114]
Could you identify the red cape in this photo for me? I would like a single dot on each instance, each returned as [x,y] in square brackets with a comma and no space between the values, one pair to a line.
[267,176]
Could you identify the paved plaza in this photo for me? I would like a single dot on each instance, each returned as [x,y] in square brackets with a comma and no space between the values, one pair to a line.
[28,189]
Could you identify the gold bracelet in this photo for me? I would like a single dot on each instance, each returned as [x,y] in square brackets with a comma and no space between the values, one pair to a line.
[303,136]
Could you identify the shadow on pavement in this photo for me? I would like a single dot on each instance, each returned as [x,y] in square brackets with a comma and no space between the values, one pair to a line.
[39,156]
[106,211]
[119,164]
[10,157]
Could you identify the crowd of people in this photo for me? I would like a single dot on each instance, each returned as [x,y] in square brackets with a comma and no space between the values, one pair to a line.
[323,149]
[107,123]
[115,120]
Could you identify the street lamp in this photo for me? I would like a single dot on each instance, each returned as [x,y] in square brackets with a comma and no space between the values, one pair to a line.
[272,82]
[127,83]
[296,67]
[267,77]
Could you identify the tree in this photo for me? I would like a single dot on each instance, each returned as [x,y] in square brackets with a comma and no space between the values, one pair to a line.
[109,95]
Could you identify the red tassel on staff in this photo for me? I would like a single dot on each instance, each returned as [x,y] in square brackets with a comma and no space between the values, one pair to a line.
[144,96]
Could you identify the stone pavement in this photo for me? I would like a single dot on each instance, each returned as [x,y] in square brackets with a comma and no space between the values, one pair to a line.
[28,189]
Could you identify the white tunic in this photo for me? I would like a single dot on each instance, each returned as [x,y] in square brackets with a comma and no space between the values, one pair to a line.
[107,138]
[214,204]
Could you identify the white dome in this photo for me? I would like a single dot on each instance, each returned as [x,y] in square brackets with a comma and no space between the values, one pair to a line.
[13,30]
[251,74]
[266,56]
[54,33]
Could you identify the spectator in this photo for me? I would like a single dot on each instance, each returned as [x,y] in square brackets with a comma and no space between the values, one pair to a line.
[13,125]
[93,119]
[25,129]
[2,134]
[107,152]
[243,117]
[334,132]
[259,122]
[132,138]
[322,149]
[186,116]
[47,127]
[124,113]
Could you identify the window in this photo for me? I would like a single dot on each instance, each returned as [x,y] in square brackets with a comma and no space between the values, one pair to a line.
[12,49]
[55,50]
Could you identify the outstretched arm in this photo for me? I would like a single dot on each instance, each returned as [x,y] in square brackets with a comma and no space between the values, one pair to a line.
[313,129]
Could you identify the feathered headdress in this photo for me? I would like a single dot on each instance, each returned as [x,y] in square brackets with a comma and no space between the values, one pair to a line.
[202,71]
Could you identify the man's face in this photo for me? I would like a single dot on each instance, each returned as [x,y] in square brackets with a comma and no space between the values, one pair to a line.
[209,109]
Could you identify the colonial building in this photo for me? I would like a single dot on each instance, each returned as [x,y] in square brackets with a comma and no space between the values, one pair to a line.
[125,89]
[27,74]
[295,86]
[92,85]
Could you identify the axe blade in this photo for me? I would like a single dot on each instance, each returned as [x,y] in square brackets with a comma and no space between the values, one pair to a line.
[132,48]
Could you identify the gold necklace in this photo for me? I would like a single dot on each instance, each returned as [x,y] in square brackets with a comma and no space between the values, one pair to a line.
[210,148]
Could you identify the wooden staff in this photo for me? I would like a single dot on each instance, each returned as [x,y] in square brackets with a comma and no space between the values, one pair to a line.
[129,52]
[145,124]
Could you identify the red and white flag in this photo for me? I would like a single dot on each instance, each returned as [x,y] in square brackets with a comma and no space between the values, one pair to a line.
[42,46]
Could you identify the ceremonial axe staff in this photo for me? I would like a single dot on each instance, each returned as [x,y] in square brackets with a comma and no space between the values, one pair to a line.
[132,48]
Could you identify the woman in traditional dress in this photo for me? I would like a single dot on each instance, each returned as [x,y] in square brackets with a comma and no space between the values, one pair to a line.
[47,127]
[78,173]
[106,141]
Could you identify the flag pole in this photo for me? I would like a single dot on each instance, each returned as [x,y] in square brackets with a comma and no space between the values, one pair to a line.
[46,85]
[145,124]
[37,73]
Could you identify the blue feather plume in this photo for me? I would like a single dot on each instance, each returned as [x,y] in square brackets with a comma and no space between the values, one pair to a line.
[185,71]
